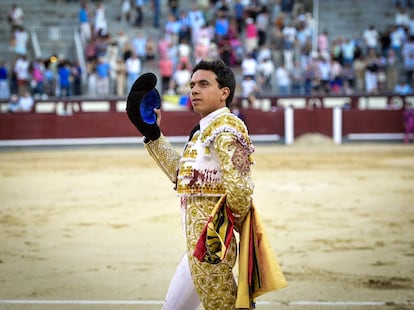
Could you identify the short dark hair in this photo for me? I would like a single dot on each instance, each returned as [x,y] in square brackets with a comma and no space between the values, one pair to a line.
[225,75]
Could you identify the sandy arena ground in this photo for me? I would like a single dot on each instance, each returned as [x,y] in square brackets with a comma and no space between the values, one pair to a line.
[103,224]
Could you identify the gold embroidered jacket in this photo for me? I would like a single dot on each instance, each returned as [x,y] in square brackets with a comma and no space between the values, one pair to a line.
[216,161]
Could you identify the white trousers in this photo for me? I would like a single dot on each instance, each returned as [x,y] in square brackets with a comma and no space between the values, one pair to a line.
[182,293]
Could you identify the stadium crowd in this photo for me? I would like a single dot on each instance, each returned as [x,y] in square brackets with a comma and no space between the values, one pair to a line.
[268,43]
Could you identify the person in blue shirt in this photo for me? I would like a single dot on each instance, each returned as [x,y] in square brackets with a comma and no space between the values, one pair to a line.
[64,74]
[403,88]
[4,81]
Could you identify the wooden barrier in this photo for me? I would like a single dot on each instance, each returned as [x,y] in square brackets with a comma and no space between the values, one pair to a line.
[94,118]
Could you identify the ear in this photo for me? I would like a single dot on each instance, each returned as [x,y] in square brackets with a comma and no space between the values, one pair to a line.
[225,92]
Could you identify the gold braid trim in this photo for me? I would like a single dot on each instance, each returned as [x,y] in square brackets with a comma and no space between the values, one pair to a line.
[227,122]
[235,163]
[214,283]
[165,156]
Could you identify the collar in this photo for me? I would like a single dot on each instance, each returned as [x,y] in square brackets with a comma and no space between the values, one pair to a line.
[208,118]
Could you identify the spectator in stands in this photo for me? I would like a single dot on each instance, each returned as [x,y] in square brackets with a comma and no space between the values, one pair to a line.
[251,39]
[382,77]
[156,7]
[92,81]
[262,52]
[408,56]
[50,78]
[184,52]
[173,5]
[282,77]
[348,74]
[410,26]
[287,6]
[121,38]
[359,66]
[139,12]
[392,66]
[196,21]
[253,8]
[150,49]
[276,11]
[235,108]
[304,32]
[325,73]
[238,9]
[277,45]
[38,78]
[371,39]
[23,103]
[262,23]
[166,68]
[13,105]
[403,88]
[76,72]
[289,35]
[85,22]
[4,81]
[184,31]
[249,89]
[26,103]
[298,8]
[221,26]
[126,11]
[335,76]
[15,18]
[201,48]
[371,72]
[397,39]
[21,40]
[265,70]
[172,28]
[133,68]
[120,71]
[249,66]
[100,23]
[172,53]
[22,70]
[348,49]
[402,18]
[112,55]
[139,44]
[323,43]
[297,78]
[312,75]
[64,74]
[181,79]
[102,75]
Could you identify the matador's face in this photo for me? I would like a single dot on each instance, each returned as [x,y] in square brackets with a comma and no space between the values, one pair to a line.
[206,95]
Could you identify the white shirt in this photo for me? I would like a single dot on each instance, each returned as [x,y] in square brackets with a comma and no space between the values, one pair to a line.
[182,77]
[248,87]
[133,65]
[282,77]
[371,37]
[249,66]
[26,103]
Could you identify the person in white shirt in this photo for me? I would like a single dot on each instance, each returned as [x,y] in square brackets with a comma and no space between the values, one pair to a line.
[21,68]
[249,66]
[282,77]
[371,38]
[181,79]
[133,69]
[26,102]
[265,70]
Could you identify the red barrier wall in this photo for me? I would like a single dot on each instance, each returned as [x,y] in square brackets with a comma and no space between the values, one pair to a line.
[80,124]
